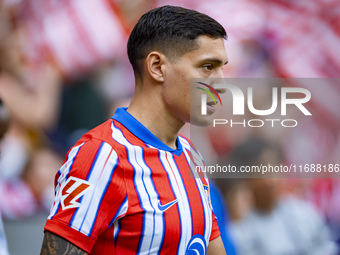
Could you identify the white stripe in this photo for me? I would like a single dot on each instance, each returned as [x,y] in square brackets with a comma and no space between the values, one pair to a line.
[205,203]
[99,192]
[179,197]
[184,142]
[183,201]
[122,210]
[116,229]
[116,223]
[99,175]
[65,169]
[143,177]
[209,207]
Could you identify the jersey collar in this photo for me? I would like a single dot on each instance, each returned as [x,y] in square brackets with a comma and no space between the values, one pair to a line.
[141,132]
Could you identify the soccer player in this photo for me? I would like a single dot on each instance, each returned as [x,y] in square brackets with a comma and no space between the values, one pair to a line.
[126,186]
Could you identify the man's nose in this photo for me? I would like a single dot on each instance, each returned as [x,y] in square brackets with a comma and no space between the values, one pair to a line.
[218,86]
[221,90]
[219,73]
[218,79]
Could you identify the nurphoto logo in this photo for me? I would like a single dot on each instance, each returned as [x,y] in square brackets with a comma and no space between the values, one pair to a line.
[295,96]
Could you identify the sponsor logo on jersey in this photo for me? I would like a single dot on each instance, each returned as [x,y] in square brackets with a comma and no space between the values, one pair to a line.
[73,189]
[166,206]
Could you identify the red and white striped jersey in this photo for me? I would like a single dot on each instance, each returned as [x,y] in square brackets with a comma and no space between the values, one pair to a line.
[122,191]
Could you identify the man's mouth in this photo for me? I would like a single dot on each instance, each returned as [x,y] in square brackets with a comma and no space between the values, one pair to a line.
[211,106]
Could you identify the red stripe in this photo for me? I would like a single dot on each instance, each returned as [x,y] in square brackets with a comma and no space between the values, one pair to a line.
[112,200]
[132,224]
[105,245]
[215,232]
[173,173]
[163,187]
[194,196]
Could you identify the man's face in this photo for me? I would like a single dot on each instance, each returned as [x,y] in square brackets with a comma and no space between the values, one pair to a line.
[184,99]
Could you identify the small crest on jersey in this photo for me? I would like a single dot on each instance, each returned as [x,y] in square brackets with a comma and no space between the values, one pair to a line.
[73,189]
[197,246]
[207,194]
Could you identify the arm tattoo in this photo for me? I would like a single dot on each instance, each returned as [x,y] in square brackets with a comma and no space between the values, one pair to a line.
[55,245]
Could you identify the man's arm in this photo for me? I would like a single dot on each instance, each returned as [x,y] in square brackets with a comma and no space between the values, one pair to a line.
[56,245]
[216,247]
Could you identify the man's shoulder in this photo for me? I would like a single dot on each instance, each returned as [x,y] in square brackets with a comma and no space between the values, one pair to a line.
[111,132]
[102,133]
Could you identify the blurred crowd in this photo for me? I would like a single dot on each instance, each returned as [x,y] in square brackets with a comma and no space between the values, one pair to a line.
[64,69]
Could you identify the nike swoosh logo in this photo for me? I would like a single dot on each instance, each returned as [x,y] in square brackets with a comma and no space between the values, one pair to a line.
[166,206]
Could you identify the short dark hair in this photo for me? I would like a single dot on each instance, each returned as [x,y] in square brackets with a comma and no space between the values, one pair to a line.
[170,29]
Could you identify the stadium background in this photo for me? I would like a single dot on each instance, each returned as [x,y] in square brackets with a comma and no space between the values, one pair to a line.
[64,69]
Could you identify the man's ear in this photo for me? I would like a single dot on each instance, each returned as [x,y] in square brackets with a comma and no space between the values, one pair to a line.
[155,65]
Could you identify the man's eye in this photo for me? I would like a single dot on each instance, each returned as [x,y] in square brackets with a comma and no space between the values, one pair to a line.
[208,67]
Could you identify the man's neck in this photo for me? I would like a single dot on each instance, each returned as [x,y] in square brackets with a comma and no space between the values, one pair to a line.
[154,116]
